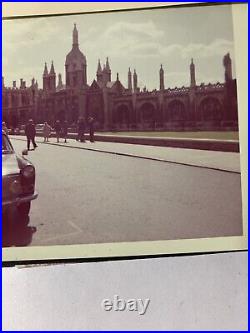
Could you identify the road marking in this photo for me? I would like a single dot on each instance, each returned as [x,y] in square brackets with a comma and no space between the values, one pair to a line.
[52,239]
[76,232]
[75,226]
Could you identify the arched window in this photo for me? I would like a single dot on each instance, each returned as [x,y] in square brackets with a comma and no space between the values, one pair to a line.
[121,115]
[147,113]
[176,110]
[211,109]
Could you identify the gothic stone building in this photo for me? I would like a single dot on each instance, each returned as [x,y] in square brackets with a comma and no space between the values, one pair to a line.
[116,107]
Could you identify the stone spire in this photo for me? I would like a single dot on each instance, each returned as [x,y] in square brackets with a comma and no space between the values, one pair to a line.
[135,80]
[107,64]
[162,86]
[45,78]
[227,62]
[192,74]
[75,36]
[45,72]
[52,78]
[52,69]
[99,67]
[117,76]
[60,84]
[99,75]
[22,84]
[108,70]
[129,80]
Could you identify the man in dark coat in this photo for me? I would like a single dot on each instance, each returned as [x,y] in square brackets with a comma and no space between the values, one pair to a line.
[91,129]
[30,132]
[81,130]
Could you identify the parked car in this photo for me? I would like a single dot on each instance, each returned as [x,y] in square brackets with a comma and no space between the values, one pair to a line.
[14,131]
[18,179]
[39,127]
[72,129]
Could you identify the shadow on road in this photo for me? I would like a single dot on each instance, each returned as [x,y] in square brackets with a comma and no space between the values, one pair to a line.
[16,231]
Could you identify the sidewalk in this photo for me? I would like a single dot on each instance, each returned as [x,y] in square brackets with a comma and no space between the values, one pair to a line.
[224,161]
[163,141]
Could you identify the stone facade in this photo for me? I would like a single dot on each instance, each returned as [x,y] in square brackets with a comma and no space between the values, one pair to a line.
[116,107]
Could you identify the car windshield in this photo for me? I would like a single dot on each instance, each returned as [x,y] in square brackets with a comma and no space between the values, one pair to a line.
[6,145]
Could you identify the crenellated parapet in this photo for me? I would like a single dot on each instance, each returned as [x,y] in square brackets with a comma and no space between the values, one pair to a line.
[210,87]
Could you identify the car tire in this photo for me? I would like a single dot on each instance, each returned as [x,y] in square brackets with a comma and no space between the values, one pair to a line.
[24,208]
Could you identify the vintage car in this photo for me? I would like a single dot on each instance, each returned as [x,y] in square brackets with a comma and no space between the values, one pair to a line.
[39,127]
[18,179]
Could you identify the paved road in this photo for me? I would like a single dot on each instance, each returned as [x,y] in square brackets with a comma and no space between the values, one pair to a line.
[90,197]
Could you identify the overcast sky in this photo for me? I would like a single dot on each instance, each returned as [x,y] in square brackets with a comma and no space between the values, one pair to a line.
[139,39]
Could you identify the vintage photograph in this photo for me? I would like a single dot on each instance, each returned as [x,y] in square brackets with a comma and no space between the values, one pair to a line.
[120,128]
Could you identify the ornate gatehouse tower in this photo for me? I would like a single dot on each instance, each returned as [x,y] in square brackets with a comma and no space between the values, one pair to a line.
[75,65]
[75,81]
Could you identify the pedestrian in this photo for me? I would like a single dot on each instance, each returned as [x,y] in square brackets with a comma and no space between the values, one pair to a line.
[58,129]
[4,128]
[91,129]
[81,130]
[46,131]
[30,132]
[65,130]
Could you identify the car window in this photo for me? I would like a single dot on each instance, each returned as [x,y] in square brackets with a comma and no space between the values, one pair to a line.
[6,145]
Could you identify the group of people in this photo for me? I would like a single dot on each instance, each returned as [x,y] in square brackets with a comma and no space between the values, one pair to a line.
[81,127]
[61,130]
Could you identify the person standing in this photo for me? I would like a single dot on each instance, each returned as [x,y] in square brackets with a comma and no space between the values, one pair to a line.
[65,130]
[58,129]
[4,128]
[91,129]
[81,130]
[30,132]
[46,131]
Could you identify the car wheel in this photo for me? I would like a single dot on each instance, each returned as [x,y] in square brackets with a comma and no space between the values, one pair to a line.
[24,208]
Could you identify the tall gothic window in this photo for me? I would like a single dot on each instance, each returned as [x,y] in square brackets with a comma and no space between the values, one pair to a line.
[74,81]
[147,112]
[176,110]
[211,109]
